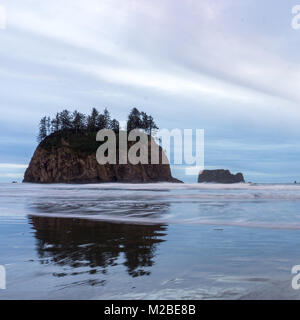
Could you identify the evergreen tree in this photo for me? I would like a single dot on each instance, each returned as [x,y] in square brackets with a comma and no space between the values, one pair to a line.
[148,123]
[55,123]
[92,120]
[107,119]
[144,120]
[78,121]
[65,120]
[42,129]
[134,120]
[151,126]
[115,125]
[101,122]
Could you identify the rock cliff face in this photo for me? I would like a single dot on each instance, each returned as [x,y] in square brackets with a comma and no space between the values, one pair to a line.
[72,159]
[220,176]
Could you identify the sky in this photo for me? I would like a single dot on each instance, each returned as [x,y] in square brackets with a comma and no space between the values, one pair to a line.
[229,67]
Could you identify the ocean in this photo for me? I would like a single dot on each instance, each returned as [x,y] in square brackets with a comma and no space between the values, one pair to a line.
[149,241]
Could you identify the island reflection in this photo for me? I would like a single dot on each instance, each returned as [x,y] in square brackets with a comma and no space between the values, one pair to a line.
[96,245]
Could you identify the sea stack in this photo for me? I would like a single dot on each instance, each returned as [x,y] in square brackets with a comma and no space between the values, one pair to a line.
[71,158]
[220,176]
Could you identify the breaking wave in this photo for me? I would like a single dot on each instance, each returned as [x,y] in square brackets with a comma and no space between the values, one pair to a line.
[242,205]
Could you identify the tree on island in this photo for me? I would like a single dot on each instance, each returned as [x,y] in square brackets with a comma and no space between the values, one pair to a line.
[151,126]
[148,123]
[101,122]
[75,121]
[78,121]
[92,120]
[55,123]
[107,118]
[115,125]
[140,120]
[134,120]
[42,129]
[65,120]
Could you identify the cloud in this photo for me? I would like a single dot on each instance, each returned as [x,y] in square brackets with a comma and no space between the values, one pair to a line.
[2,18]
[13,166]
[12,175]
[10,171]
[192,46]
[229,67]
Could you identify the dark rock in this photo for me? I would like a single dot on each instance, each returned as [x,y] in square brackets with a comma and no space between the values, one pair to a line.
[71,158]
[220,176]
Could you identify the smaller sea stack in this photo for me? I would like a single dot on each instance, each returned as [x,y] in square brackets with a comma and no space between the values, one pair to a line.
[220,176]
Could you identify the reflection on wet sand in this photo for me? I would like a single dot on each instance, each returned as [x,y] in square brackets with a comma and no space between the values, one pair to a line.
[95,246]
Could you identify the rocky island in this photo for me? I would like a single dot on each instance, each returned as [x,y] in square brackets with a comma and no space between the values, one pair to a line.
[72,159]
[67,153]
[220,176]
